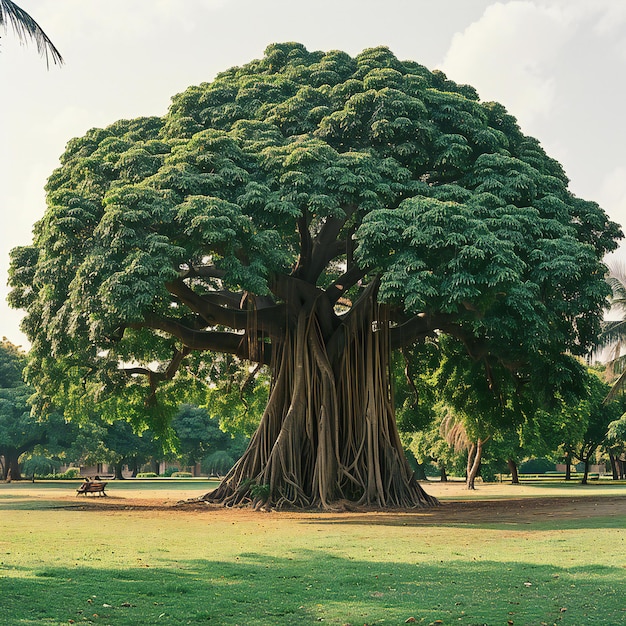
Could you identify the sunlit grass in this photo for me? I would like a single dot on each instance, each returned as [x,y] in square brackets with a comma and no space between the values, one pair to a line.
[134,566]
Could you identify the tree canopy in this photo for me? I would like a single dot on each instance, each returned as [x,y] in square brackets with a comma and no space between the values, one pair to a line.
[21,432]
[311,211]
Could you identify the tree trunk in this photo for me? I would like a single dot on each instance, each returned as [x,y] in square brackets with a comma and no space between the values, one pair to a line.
[513,469]
[586,472]
[568,466]
[442,473]
[118,471]
[11,465]
[420,473]
[474,455]
[613,462]
[328,434]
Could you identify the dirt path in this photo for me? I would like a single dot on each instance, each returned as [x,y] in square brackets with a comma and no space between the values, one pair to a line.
[490,503]
[519,511]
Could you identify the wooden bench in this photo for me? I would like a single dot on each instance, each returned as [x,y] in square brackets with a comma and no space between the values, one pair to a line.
[91,487]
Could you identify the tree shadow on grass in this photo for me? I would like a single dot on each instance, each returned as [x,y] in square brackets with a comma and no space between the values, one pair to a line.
[314,586]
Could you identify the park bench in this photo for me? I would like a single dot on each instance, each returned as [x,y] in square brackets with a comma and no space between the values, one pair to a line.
[91,487]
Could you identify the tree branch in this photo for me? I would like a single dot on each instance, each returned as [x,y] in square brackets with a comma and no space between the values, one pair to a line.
[269,320]
[202,271]
[415,329]
[304,258]
[216,341]
[344,282]
[325,244]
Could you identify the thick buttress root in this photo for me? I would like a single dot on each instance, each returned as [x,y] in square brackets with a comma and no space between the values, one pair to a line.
[328,434]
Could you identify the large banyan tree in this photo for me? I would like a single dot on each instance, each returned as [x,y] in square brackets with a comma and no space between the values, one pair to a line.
[311,212]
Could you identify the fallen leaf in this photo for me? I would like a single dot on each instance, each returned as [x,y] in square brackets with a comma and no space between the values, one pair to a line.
[563,610]
[411,620]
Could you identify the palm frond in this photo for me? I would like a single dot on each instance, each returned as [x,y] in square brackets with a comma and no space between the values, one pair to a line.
[617,281]
[26,28]
[617,387]
[612,331]
[454,433]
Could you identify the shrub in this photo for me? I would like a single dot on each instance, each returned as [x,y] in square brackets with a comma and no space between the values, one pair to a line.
[169,471]
[537,466]
[147,475]
[217,463]
[71,473]
[260,492]
[40,466]
[182,475]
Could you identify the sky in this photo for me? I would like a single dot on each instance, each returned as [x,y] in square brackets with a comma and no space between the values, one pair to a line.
[558,66]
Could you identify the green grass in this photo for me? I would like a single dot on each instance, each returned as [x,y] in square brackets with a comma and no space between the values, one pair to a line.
[62,559]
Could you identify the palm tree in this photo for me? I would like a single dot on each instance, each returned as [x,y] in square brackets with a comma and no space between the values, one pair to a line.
[453,431]
[613,336]
[26,28]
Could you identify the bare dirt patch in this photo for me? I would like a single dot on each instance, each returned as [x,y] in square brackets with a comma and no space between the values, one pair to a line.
[526,510]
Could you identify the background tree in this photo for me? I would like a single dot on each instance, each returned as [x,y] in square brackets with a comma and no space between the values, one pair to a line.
[124,446]
[198,434]
[612,339]
[616,447]
[20,431]
[600,415]
[311,212]
[237,395]
[429,446]
[26,28]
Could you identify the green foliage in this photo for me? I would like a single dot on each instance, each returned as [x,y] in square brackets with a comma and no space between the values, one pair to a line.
[70,474]
[38,465]
[537,466]
[21,431]
[218,463]
[600,416]
[201,439]
[415,389]
[164,236]
[236,397]
[260,492]
[617,430]
[181,475]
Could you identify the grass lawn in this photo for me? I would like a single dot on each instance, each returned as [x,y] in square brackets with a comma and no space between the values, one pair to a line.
[529,554]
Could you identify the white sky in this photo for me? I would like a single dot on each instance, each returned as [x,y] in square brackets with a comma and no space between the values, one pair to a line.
[559,66]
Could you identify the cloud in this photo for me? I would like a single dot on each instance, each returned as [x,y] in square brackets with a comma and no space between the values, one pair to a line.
[138,19]
[508,55]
